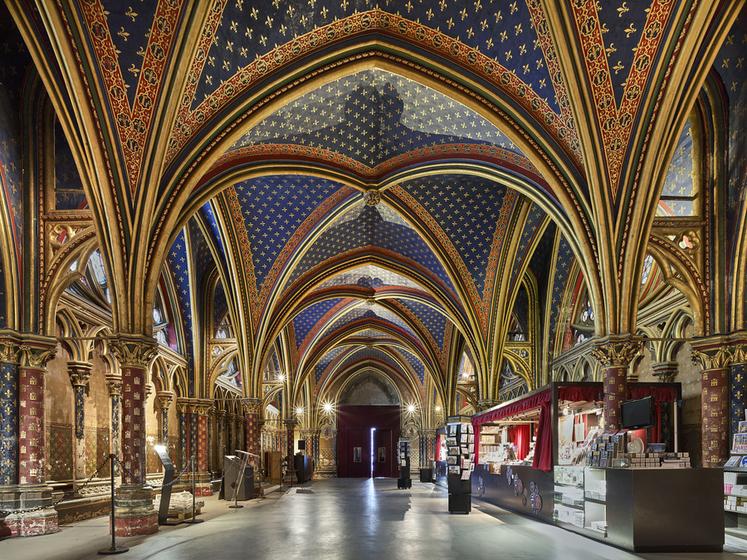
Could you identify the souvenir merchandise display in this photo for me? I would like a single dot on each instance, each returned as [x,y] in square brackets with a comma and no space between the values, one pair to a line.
[735,477]
[581,498]
[624,450]
[404,480]
[460,444]
[506,444]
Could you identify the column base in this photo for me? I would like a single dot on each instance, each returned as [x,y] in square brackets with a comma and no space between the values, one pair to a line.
[27,524]
[134,511]
[203,489]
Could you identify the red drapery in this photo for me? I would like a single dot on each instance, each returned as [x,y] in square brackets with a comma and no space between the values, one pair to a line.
[520,435]
[543,445]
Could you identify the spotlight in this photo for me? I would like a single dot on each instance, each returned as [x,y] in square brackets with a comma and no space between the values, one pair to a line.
[327,407]
[411,408]
[437,408]
[281,377]
[160,448]
[299,410]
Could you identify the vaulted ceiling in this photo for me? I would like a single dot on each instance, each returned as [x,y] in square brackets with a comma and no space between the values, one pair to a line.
[361,183]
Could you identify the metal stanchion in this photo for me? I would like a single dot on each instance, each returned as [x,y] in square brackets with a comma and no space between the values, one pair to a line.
[113,549]
[194,487]
[236,504]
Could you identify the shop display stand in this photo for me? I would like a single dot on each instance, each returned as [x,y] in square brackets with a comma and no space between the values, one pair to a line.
[404,480]
[735,481]
[460,443]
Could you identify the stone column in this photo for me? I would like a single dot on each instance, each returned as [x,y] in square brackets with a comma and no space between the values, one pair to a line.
[615,355]
[290,431]
[253,433]
[164,400]
[23,465]
[79,373]
[200,411]
[738,385]
[715,358]
[134,501]
[114,383]
[220,427]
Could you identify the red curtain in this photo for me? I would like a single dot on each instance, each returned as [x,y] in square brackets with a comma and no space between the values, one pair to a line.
[520,435]
[575,393]
[530,402]
[543,446]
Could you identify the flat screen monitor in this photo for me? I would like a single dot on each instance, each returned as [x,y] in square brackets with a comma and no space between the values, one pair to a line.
[638,413]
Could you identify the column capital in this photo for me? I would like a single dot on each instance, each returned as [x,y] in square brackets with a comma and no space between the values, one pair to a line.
[164,399]
[617,351]
[291,422]
[191,405]
[10,344]
[114,383]
[665,371]
[716,352]
[485,404]
[79,373]
[133,350]
[251,405]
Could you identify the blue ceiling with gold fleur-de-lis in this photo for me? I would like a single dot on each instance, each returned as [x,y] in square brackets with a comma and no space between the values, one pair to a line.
[208,214]
[415,363]
[433,321]
[529,232]
[307,320]
[467,209]
[373,116]
[327,359]
[559,281]
[179,265]
[622,23]
[376,227]
[273,208]
[500,29]
[129,26]
[369,354]
[203,258]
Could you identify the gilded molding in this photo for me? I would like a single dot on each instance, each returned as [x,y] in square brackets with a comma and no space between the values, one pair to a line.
[714,358]
[36,357]
[164,399]
[251,405]
[79,373]
[133,351]
[617,351]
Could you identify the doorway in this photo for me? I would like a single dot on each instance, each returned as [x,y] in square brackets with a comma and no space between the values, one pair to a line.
[366,440]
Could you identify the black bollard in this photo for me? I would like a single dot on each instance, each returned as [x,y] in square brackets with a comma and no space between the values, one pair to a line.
[193,519]
[113,549]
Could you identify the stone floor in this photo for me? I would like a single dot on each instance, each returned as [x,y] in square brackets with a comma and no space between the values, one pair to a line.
[351,518]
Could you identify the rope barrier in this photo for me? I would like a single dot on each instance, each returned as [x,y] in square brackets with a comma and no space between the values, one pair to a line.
[4,512]
[62,499]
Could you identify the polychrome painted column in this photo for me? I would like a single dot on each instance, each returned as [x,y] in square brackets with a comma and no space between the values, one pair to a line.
[134,503]
[715,357]
[615,355]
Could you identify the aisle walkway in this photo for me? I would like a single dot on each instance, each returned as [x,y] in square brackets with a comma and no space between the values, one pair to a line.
[346,519]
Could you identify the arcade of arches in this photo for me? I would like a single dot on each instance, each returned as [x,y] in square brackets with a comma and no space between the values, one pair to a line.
[224,222]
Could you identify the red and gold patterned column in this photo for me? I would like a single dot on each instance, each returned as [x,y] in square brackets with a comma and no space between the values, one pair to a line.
[134,502]
[715,357]
[201,409]
[33,353]
[253,432]
[615,355]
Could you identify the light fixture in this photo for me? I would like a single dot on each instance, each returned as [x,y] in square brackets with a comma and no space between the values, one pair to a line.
[160,448]
[437,408]
[299,410]
[281,377]
[566,411]
[327,407]
[411,408]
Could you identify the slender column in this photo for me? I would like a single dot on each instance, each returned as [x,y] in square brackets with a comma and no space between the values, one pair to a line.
[615,355]
[252,431]
[290,430]
[164,400]
[114,383]
[200,409]
[715,358]
[738,386]
[220,426]
[24,465]
[134,502]
[9,416]
[79,373]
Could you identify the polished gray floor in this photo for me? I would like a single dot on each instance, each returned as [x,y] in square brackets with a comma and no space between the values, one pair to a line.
[353,518]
